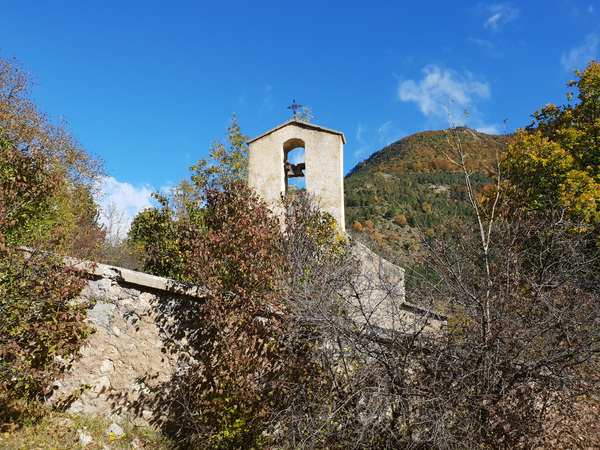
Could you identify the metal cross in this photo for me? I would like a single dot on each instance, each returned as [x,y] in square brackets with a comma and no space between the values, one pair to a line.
[294,107]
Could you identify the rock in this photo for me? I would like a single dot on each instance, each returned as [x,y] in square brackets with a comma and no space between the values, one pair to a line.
[112,349]
[76,407]
[102,384]
[107,366]
[113,417]
[132,292]
[144,303]
[104,284]
[65,422]
[101,314]
[131,318]
[86,350]
[114,273]
[116,293]
[116,429]
[84,438]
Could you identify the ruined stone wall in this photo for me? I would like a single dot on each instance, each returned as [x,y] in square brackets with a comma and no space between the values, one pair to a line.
[139,343]
[380,298]
[143,324]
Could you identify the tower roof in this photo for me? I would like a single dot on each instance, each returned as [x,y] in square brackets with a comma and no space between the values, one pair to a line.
[294,122]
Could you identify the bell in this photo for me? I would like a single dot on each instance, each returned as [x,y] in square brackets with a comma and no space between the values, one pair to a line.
[294,170]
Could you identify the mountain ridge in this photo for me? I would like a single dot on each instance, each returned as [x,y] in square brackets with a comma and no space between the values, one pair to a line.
[411,186]
[433,143]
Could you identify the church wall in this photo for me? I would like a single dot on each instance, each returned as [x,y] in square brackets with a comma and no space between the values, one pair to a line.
[324,166]
[324,173]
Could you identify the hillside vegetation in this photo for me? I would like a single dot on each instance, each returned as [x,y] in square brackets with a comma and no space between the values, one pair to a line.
[412,183]
[426,152]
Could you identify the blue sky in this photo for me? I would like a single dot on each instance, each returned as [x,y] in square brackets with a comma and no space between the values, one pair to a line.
[147,85]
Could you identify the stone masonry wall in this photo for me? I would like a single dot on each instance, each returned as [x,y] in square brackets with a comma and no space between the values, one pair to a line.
[139,343]
[381,298]
[143,324]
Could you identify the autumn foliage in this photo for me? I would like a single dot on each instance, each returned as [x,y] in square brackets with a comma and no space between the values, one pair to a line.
[286,348]
[235,252]
[554,163]
[47,182]
[519,283]
[68,219]
[40,329]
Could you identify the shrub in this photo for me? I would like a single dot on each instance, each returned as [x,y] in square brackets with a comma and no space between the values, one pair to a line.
[400,220]
[40,329]
[246,359]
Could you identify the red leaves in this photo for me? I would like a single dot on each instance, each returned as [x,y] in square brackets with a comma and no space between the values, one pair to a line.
[236,246]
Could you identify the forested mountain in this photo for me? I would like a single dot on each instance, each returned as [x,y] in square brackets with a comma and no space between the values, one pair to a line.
[412,183]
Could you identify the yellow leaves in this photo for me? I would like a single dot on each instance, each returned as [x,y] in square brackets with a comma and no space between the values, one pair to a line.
[545,173]
[580,193]
[400,220]
[531,153]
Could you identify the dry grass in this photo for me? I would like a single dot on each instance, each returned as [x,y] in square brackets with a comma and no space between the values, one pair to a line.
[62,431]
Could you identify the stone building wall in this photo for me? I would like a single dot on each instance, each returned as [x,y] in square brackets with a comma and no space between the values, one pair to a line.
[139,343]
[143,324]
[324,159]
[380,298]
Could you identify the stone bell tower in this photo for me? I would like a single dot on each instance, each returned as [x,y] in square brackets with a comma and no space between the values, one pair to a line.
[270,170]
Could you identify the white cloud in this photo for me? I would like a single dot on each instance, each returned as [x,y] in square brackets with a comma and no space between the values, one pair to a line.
[298,156]
[267,103]
[576,11]
[578,57]
[385,128]
[126,196]
[488,129]
[487,46]
[388,133]
[366,149]
[373,137]
[359,131]
[493,21]
[440,87]
[498,15]
[125,200]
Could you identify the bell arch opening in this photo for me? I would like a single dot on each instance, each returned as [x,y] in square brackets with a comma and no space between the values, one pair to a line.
[294,164]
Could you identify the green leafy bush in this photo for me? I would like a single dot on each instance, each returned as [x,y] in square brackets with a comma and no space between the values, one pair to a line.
[40,329]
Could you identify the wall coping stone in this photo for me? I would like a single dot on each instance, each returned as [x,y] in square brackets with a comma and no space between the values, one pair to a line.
[131,277]
[141,279]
